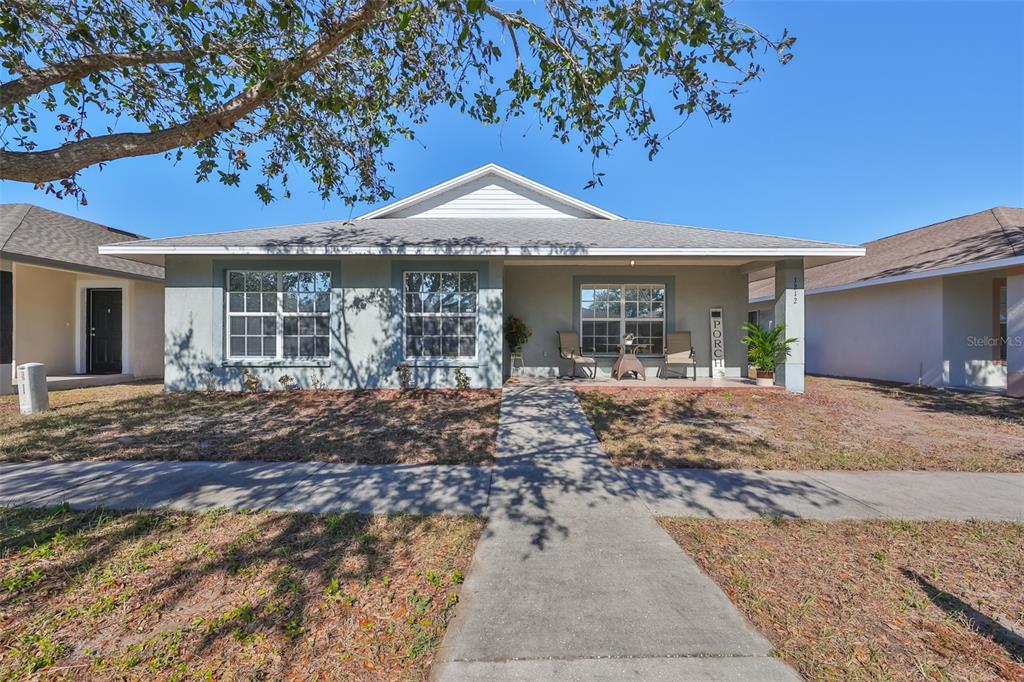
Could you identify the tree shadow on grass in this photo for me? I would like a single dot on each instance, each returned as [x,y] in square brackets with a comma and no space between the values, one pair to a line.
[217,589]
[944,401]
[696,434]
[372,427]
[985,626]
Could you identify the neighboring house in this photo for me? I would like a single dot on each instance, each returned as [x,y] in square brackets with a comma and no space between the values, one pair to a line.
[67,306]
[427,282]
[941,305]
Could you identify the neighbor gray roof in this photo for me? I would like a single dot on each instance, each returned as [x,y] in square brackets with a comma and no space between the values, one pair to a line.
[978,238]
[571,236]
[37,235]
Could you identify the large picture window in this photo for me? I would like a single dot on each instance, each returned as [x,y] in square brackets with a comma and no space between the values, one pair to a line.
[610,312]
[440,314]
[278,314]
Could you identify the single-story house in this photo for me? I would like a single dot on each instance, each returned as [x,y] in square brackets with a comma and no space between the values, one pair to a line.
[427,282]
[941,305]
[90,318]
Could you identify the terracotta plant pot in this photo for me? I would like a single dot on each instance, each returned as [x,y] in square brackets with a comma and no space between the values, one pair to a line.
[765,378]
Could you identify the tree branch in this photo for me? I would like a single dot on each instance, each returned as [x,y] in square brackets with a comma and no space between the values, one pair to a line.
[37,80]
[513,21]
[68,159]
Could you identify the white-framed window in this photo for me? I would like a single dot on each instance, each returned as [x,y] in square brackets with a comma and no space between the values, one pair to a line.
[276,314]
[608,312]
[440,314]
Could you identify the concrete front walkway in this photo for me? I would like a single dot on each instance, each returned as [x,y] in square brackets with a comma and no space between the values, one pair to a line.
[573,577]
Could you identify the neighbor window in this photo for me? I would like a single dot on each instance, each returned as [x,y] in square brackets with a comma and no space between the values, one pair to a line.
[440,314]
[278,314]
[609,313]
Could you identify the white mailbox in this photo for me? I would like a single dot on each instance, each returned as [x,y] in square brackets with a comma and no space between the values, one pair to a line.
[32,395]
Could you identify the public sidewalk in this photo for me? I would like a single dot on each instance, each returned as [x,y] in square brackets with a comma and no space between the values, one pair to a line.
[316,486]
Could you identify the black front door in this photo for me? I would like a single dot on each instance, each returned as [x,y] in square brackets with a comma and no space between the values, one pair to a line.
[104,325]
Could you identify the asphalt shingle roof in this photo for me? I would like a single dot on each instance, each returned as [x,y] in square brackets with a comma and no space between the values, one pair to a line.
[33,234]
[569,234]
[989,235]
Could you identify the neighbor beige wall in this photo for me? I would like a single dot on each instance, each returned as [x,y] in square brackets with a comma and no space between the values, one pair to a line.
[44,318]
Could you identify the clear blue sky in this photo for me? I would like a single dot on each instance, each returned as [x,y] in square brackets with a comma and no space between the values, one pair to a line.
[892,115]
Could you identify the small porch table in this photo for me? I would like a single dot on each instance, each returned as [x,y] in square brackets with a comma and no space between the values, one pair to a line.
[628,362]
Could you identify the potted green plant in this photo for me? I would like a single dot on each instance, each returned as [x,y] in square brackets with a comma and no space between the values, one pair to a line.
[766,348]
[516,334]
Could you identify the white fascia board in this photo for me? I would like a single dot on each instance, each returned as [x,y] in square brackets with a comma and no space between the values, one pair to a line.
[139,249]
[911,276]
[480,172]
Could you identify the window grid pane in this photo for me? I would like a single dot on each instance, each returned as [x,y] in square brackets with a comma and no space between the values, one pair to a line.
[608,313]
[440,314]
[261,304]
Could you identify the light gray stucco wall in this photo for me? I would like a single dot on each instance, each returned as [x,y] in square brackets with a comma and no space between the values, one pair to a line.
[366,324]
[545,298]
[147,329]
[918,331]
[966,323]
[891,332]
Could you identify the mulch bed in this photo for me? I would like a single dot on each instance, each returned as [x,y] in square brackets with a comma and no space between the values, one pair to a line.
[837,424]
[878,600]
[140,421]
[226,595]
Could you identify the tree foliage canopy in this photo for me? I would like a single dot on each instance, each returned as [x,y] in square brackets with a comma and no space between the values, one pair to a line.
[327,85]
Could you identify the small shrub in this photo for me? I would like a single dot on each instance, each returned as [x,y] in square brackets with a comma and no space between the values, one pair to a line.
[285,380]
[461,379]
[316,382]
[210,379]
[404,377]
[251,381]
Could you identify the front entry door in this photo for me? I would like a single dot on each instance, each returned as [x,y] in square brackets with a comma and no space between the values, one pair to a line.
[104,324]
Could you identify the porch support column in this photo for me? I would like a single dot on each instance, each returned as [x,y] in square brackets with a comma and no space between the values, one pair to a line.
[789,310]
[6,326]
[1015,332]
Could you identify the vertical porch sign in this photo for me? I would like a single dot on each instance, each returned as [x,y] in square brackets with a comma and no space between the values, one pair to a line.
[717,343]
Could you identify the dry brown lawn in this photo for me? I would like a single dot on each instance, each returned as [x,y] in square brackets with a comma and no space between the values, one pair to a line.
[226,595]
[874,600]
[140,421]
[837,424]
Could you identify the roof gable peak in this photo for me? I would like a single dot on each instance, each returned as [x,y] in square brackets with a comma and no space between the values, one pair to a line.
[490,191]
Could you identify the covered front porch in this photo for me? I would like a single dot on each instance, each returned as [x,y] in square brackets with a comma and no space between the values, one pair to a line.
[602,301]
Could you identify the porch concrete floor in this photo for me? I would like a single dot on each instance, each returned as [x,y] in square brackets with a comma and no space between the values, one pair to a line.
[728,383]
